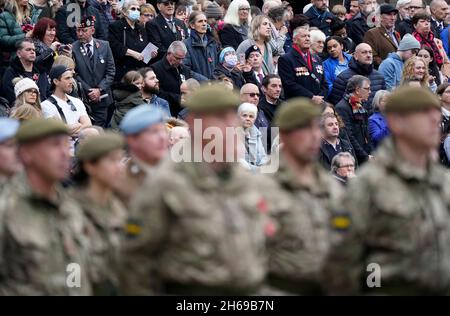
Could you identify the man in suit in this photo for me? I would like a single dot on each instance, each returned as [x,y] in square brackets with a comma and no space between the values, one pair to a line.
[383,39]
[165,29]
[173,73]
[301,72]
[439,11]
[95,70]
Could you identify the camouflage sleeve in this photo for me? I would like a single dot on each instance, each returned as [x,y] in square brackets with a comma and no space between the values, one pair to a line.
[146,228]
[344,265]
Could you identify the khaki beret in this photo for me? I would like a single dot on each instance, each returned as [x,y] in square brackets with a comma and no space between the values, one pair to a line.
[411,99]
[213,98]
[296,113]
[97,146]
[38,128]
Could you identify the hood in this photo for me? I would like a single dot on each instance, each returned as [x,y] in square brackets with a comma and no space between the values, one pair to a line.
[126,92]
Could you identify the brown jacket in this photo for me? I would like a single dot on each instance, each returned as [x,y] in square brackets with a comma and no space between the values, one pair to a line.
[381,43]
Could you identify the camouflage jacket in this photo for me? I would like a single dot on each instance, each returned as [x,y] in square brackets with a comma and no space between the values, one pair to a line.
[39,240]
[400,223]
[105,229]
[304,230]
[196,229]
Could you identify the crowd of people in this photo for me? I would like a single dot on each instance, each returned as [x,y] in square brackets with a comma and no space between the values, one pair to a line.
[116,152]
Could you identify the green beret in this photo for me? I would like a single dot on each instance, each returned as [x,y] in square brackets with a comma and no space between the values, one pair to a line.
[38,128]
[296,113]
[411,99]
[97,146]
[212,98]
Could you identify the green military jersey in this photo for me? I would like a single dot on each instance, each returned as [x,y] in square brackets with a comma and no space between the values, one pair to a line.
[195,229]
[400,223]
[105,230]
[309,222]
[43,249]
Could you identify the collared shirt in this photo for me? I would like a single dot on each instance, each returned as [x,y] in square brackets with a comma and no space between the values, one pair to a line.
[91,47]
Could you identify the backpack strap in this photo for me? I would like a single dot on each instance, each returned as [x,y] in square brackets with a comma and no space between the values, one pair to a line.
[60,111]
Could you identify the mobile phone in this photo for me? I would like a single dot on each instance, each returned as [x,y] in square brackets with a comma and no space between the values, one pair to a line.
[242,58]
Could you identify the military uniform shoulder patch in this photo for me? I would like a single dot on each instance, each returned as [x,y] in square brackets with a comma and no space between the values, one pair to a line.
[340,220]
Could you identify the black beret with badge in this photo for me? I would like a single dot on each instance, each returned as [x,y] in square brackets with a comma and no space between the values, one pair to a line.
[252,49]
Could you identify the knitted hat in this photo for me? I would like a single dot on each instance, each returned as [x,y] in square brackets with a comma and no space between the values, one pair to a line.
[408,42]
[213,11]
[24,85]
[224,52]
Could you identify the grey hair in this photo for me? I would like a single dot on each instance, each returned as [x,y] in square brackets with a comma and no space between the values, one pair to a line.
[192,84]
[128,3]
[297,30]
[377,98]
[335,162]
[177,46]
[356,82]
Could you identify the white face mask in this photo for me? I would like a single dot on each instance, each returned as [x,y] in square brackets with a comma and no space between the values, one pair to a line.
[231,60]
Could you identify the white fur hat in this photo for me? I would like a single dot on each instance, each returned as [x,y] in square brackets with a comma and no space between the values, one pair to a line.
[24,85]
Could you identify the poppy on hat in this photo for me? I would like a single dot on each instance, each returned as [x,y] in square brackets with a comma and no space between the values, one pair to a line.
[86,21]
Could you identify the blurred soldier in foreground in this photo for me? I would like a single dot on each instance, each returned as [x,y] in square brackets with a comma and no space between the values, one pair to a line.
[197,227]
[146,136]
[304,235]
[42,242]
[100,166]
[9,161]
[399,206]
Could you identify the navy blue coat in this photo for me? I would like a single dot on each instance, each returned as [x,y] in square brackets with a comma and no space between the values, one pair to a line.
[357,27]
[297,80]
[321,20]
[200,58]
[340,84]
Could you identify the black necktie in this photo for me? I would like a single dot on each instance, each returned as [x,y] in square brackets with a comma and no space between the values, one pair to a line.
[89,52]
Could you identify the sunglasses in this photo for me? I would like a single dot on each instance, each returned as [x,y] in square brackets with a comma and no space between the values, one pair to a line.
[72,106]
[32,91]
[252,94]
[135,9]
[148,15]
[168,3]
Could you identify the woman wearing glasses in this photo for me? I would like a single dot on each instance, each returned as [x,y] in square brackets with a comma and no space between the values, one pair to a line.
[27,92]
[148,13]
[237,22]
[356,117]
[128,39]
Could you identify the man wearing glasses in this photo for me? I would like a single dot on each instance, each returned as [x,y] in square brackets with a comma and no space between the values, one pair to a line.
[61,105]
[165,28]
[406,26]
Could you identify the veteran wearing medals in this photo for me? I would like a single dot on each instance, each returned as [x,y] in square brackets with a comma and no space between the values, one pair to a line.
[301,72]
[95,70]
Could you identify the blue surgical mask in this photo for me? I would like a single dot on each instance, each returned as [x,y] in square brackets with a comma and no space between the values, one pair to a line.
[134,15]
[231,60]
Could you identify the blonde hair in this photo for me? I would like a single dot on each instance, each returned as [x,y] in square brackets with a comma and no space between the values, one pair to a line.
[20,99]
[65,61]
[21,15]
[232,16]
[25,112]
[254,28]
[148,8]
[131,76]
[408,71]
[339,9]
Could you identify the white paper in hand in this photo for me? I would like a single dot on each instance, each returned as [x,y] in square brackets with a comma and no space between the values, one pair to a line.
[147,52]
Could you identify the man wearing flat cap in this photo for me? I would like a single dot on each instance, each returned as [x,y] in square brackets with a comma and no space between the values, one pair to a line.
[399,207]
[383,39]
[199,221]
[41,228]
[146,136]
[95,70]
[9,161]
[306,228]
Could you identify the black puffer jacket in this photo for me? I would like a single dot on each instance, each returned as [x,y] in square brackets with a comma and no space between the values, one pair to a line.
[355,68]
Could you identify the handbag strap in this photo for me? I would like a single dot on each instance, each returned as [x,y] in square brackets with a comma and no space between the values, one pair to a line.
[60,111]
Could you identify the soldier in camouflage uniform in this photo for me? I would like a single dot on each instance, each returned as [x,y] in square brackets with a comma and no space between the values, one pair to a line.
[146,136]
[42,229]
[100,159]
[197,228]
[304,235]
[399,206]
[9,162]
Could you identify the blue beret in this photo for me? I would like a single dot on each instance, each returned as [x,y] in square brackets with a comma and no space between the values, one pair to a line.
[8,128]
[140,118]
